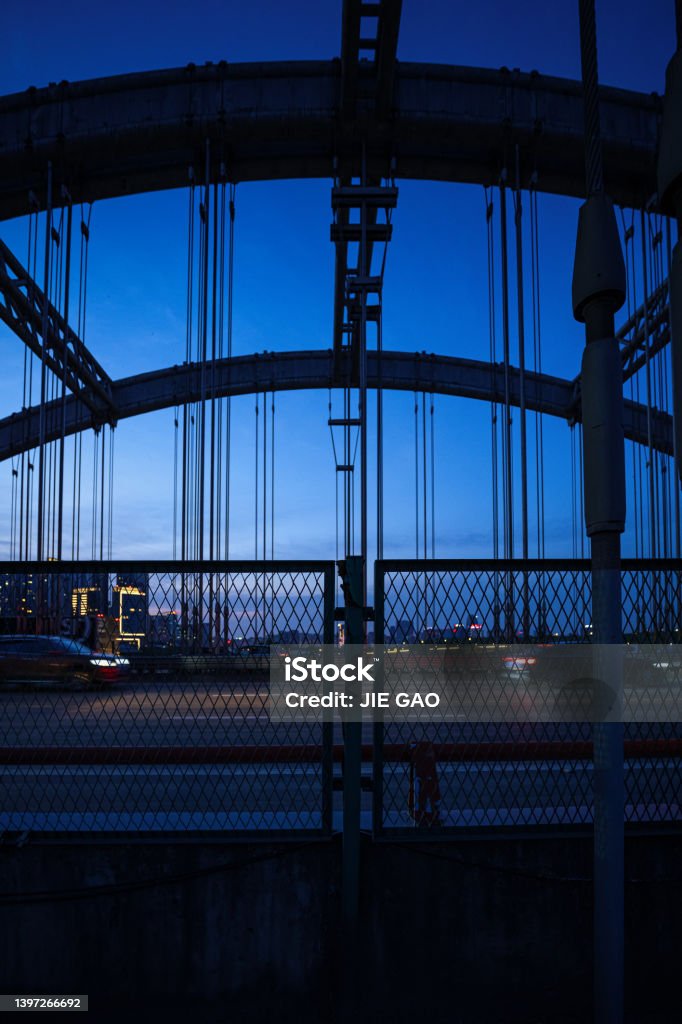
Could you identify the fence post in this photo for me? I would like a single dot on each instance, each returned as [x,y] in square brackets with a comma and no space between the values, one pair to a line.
[351,573]
[328,724]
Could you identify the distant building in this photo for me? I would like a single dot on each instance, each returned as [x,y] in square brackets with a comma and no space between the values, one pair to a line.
[164,629]
[89,595]
[31,601]
[130,607]
[18,600]
[133,579]
[402,632]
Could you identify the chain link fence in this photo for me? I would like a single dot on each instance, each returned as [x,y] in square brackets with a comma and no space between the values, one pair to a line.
[474,623]
[134,697]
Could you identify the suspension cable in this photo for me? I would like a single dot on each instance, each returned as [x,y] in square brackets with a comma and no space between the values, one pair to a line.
[62,438]
[27,383]
[507,432]
[102,507]
[581,502]
[588,60]
[574,545]
[43,367]
[433,482]
[93,519]
[13,510]
[212,442]
[175,480]
[81,326]
[489,210]
[256,451]
[228,424]
[628,233]
[650,461]
[537,367]
[205,227]
[518,226]
[424,473]
[272,476]
[654,238]
[265,473]
[186,409]
[221,353]
[112,437]
[416,475]
[669,250]
[53,296]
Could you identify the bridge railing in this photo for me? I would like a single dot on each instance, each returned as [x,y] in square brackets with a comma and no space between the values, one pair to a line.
[133,697]
[475,620]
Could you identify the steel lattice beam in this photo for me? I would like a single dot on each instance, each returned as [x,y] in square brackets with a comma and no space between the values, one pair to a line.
[368,57]
[647,328]
[22,307]
[367,86]
[643,334]
[291,371]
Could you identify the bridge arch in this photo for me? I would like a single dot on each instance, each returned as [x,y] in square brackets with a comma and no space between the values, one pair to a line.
[309,370]
[142,132]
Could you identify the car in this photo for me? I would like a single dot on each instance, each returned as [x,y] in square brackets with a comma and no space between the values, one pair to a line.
[57,659]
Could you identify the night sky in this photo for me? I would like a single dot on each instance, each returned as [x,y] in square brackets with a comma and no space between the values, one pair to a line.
[435,295]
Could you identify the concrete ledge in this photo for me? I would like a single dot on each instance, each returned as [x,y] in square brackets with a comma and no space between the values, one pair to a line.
[464,931]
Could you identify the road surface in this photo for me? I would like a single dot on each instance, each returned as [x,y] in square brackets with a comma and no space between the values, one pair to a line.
[259,793]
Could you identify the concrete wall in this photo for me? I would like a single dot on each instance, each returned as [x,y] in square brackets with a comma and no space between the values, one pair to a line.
[469,931]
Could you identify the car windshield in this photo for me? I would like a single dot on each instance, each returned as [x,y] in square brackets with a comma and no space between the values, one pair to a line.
[72,646]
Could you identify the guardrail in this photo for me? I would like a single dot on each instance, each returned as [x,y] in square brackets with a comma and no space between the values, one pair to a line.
[181,740]
[169,660]
[459,777]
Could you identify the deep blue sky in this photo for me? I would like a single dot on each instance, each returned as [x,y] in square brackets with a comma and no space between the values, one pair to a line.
[435,295]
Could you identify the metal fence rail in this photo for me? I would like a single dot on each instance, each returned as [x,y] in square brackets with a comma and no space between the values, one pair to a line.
[481,775]
[133,697]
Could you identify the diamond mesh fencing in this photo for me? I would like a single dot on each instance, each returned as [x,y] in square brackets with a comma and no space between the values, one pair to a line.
[475,623]
[134,697]
[652,614]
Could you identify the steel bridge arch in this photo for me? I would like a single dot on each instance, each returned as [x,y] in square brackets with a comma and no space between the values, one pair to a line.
[314,370]
[142,132]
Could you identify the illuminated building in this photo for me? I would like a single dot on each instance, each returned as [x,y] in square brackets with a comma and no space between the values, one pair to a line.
[129,601]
